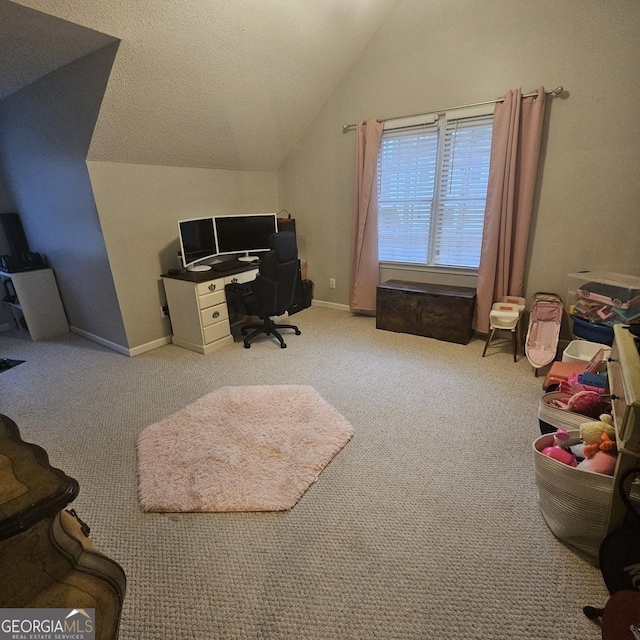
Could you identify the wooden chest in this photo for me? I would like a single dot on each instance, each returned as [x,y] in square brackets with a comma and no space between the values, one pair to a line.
[432,310]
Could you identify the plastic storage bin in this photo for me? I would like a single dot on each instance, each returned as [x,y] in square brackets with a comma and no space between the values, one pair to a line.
[603,297]
[600,333]
[583,351]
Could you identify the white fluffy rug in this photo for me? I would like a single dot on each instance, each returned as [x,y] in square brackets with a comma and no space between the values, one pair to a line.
[253,448]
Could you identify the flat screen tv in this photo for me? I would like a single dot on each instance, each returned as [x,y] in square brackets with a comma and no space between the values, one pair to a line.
[197,242]
[245,233]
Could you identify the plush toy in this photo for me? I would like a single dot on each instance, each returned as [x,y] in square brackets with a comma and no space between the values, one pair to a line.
[598,435]
[557,450]
[600,462]
[600,449]
[586,403]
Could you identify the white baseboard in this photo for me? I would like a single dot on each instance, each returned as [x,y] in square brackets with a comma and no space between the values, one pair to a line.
[136,351]
[150,346]
[104,342]
[330,305]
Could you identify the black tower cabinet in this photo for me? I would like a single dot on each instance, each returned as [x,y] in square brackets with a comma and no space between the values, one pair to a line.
[14,232]
[287,224]
[304,288]
[303,295]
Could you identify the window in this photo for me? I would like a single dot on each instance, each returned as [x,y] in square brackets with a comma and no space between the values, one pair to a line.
[432,190]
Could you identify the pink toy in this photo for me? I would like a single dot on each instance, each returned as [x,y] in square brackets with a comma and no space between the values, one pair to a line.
[557,452]
[600,462]
[573,385]
[586,403]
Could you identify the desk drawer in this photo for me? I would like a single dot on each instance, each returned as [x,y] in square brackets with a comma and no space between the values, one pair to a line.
[216,331]
[210,286]
[210,299]
[239,278]
[217,313]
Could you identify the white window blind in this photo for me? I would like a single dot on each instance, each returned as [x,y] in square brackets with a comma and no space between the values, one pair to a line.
[432,186]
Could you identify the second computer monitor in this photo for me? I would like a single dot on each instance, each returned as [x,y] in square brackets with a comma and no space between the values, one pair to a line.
[245,233]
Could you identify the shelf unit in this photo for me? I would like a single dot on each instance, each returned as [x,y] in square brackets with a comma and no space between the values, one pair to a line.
[32,302]
[623,373]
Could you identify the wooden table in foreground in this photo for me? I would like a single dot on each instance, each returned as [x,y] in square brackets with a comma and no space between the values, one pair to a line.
[45,559]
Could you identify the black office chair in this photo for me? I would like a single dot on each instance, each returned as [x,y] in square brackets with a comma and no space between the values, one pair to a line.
[273,291]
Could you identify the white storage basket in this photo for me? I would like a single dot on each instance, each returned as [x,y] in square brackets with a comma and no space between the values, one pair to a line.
[583,351]
[558,418]
[574,502]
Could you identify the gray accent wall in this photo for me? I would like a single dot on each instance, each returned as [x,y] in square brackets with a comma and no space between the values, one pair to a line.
[46,131]
[433,55]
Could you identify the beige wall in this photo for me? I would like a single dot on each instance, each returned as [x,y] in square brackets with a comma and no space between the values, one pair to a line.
[429,56]
[139,206]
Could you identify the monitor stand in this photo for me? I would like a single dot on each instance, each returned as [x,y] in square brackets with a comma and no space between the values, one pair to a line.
[247,258]
[199,267]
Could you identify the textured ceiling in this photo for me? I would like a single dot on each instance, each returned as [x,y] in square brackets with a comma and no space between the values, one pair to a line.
[33,44]
[217,83]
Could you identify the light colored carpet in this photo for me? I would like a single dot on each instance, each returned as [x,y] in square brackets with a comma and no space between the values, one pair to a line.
[247,448]
[424,527]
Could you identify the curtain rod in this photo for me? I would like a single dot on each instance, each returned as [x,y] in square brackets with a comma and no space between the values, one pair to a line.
[555,92]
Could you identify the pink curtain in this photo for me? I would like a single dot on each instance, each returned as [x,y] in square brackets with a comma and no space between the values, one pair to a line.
[515,148]
[364,234]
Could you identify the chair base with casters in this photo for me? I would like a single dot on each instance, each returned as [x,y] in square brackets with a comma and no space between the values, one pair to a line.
[269,328]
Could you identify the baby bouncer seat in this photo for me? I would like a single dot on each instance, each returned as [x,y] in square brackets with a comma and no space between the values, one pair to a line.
[543,333]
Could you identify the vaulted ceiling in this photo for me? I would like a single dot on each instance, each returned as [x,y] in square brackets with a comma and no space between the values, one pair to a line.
[229,84]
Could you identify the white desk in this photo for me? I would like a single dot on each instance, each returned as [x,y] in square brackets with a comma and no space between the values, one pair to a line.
[37,303]
[198,307]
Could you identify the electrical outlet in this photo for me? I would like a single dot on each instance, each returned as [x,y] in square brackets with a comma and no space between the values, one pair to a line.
[164,310]
[332,283]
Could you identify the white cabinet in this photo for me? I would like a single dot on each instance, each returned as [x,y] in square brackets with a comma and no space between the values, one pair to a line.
[198,310]
[32,303]
[624,383]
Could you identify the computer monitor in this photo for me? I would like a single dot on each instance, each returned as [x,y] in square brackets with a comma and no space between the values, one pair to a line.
[245,233]
[197,242]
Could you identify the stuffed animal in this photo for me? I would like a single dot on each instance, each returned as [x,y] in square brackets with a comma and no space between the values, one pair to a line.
[600,451]
[600,462]
[598,435]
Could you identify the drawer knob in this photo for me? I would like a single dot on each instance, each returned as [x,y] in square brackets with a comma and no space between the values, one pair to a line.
[215,314]
[614,397]
[212,287]
[610,360]
[234,280]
